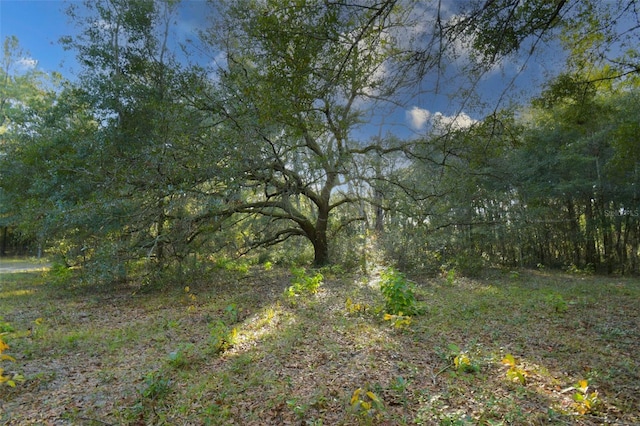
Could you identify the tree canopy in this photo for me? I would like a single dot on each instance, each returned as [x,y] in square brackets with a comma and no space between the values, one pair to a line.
[147,159]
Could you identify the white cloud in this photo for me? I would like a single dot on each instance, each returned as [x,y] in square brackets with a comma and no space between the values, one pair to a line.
[26,64]
[417,117]
[453,122]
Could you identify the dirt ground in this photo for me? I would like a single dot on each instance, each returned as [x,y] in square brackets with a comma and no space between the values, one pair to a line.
[9,265]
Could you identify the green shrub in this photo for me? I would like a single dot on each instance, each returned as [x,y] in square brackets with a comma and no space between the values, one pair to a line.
[221,336]
[60,274]
[398,294]
[302,284]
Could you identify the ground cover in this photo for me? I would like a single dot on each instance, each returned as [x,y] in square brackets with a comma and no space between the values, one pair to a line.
[265,346]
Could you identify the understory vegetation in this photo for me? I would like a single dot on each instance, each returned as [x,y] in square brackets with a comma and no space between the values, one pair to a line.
[268,345]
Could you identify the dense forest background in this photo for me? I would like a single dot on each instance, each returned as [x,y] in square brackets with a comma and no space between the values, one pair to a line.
[250,141]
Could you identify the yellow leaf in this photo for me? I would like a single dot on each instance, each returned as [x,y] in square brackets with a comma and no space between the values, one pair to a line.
[583,385]
[373,396]
[4,357]
[39,321]
[356,396]
[387,317]
[186,289]
[509,360]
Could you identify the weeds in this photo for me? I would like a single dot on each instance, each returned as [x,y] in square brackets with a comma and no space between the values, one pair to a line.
[4,379]
[221,336]
[515,373]
[462,361]
[398,294]
[303,284]
[366,405]
[585,402]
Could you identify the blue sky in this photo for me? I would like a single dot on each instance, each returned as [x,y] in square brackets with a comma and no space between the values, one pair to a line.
[39,24]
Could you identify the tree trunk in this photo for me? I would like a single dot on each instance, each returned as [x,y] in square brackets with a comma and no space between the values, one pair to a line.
[320,241]
[320,251]
[3,245]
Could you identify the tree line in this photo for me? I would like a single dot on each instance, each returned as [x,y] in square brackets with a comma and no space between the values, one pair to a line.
[253,143]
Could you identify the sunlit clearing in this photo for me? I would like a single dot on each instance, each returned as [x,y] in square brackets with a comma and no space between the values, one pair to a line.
[260,325]
[15,293]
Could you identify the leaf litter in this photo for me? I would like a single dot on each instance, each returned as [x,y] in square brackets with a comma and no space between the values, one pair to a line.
[112,358]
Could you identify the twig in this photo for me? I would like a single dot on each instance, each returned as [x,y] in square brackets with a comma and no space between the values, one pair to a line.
[435,376]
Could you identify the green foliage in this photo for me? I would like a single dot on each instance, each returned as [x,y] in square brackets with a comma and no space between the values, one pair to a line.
[557,302]
[179,358]
[585,402]
[366,405]
[5,327]
[60,274]
[231,313]
[399,321]
[156,386]
[4,379]
[303,284]
[462,361]
[450,276]
[575,270]
[232,265]
[354,308]
[515,373]
[221,336]
[398,294]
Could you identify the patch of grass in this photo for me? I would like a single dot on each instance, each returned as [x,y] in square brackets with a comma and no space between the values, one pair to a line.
[536,348]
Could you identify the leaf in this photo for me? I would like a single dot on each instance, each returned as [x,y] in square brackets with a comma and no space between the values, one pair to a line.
[373,396]
[5,357]
[509,360]
[583,385]
[356,396]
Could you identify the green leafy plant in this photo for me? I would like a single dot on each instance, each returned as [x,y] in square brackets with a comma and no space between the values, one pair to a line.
[8,380]
[156,386]
[302,284]
[450,276]
[398,294]
[231,265]
[5,327]
[366,404]
[179,358]
[60,273]
[585,402]
[231,312]
[462,360]
[221,336]
[354,308]
[399,321]
[399,384]
[514,373]
[557,302]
